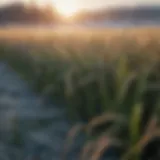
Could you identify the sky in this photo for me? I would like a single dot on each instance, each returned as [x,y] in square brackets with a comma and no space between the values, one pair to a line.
[91,4]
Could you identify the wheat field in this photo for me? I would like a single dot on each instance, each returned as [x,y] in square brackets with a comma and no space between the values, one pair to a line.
[104,78]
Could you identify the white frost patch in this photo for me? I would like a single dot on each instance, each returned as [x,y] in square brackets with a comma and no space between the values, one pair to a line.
[37,123]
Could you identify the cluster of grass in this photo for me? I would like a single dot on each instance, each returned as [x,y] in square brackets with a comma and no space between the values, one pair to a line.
[109,82]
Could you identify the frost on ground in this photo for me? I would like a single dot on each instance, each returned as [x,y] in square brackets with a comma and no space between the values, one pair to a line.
[30,127]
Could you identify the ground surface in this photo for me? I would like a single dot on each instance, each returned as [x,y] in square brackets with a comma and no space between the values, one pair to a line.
[37,127]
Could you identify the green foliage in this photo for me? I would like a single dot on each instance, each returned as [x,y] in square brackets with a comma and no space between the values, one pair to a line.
[104,89]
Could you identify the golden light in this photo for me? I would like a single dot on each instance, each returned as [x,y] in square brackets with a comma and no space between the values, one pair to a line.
[66,8]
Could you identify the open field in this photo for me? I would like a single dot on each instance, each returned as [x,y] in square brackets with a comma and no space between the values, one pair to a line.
[46,34]
[107,79]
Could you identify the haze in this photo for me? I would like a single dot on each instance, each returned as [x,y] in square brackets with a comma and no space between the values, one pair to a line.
[90,4]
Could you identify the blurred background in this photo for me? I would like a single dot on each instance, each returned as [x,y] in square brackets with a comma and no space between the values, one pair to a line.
[79,79]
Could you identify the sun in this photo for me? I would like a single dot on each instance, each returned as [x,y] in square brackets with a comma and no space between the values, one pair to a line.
[65,7]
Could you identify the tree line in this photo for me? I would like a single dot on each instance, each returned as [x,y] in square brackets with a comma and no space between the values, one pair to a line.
[32,14]
[20,13]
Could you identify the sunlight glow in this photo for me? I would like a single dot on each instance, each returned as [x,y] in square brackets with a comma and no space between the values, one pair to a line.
[65,8]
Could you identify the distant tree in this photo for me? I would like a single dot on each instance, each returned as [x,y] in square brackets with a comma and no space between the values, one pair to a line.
[19,13]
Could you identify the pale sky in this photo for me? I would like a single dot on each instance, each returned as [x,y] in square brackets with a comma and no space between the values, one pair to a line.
[83,4]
